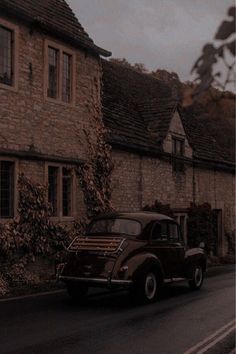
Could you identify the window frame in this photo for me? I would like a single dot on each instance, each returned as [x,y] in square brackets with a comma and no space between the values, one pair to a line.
[15,54]
[15,190]
[61,50]
[177,159]
[59,216]
[55,214]
[178,215]
[171,239]
[160,239]
[182,142]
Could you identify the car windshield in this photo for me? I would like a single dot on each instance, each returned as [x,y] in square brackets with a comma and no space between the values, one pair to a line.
[115,226]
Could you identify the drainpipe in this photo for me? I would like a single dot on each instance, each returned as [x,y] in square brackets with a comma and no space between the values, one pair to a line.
[194,184]
[141,182]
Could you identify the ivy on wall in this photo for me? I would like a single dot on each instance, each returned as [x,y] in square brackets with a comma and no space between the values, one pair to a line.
[31,234]
[201,226]
[95,174]
[161,208]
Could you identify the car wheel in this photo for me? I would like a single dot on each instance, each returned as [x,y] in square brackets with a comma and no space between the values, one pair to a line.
[146,290]
[196,281]
[77,291]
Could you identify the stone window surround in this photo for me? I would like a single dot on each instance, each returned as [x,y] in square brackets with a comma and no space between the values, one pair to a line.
[62,49]
[177,216]
[16,194]
[15,29]
[60,216]
[181,139]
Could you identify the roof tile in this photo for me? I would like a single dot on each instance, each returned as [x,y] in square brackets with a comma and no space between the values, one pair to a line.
[53,15]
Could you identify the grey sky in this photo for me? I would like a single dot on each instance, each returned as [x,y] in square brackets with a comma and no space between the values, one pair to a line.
[164,34]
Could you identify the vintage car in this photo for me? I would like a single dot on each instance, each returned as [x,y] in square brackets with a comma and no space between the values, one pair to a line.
[140,251]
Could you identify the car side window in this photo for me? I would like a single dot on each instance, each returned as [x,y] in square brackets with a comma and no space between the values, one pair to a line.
[156,232]
[160,231]
[164,230]
[173,232]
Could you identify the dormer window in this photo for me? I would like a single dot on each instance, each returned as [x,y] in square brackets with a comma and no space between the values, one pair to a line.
[177,152]
[177,146]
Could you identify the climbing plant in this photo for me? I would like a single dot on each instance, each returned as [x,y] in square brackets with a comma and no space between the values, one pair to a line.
[201,226]
[95,174]
[159,207]
[31,234]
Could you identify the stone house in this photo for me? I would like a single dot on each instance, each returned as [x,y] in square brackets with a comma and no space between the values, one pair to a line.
[53,83]
[162,152]
[50,79]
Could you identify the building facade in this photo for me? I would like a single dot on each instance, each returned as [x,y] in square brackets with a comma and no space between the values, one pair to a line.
[163,153]
[53,84]
[50,79]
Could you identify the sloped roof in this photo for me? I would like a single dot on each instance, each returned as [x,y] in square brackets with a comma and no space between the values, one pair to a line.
[55,16]
[208,141]
[132,109]
[137,110]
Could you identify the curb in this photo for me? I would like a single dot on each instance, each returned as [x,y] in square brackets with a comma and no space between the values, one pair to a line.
[211,272]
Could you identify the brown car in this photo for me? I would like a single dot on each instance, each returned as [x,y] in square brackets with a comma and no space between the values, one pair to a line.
[140,251]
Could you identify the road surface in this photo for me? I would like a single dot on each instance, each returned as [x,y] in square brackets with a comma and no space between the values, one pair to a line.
[180,322]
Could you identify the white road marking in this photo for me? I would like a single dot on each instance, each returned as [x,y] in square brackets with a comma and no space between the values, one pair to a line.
[33,295]
[213,338]
[217,340]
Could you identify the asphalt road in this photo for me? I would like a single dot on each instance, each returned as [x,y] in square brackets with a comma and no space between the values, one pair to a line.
[113,324]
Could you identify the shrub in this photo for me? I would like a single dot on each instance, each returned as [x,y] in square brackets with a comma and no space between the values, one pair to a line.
[201,226]
[158,207]
[30,235]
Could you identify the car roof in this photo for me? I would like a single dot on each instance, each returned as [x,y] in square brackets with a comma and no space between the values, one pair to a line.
[142,216]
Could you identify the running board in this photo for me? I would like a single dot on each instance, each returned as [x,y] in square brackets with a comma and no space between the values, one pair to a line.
[173,280]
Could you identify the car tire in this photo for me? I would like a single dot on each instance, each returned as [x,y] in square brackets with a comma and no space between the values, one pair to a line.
[77,291]
[197,277]
[146,290]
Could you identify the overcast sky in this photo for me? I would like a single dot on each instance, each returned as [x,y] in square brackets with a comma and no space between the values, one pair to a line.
[163,34]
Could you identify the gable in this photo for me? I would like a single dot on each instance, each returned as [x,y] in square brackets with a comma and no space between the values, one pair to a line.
[53,16]
[176,129]
[140,114]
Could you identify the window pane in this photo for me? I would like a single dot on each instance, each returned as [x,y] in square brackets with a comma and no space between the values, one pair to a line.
[53,55]
[66,191]
[156,233]
[115,225]
[182,224]
[66,78]
[177,147]
[164,231]
[173,230]
[53,188]
[174,146]
[6,56]
[6,189]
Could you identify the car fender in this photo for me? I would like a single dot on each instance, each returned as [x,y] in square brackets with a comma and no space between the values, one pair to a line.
[140,264]
[193,257]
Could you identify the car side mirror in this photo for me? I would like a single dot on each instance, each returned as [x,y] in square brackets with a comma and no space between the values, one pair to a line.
[202,244]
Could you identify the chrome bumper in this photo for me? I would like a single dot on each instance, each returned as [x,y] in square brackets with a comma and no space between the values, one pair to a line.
[96,280]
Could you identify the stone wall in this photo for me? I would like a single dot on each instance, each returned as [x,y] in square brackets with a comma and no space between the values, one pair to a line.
[29,121]
[140,180]
[31,124]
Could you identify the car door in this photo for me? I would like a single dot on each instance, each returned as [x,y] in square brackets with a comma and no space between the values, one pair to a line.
[159,245]
[177,249]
